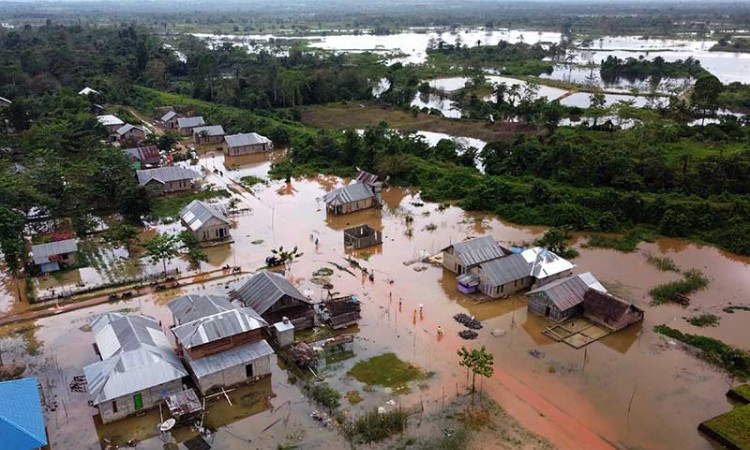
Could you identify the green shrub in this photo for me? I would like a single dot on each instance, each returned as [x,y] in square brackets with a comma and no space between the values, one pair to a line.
[734,360]
[704,320]
[693,281]
[373,426]
[324,395]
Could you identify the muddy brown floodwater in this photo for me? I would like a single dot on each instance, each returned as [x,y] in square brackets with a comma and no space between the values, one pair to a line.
[575,398]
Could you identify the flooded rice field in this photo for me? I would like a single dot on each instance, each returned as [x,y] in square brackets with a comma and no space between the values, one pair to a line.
[632,389]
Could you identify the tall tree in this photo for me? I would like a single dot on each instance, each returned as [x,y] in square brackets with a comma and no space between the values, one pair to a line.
[479,362]
[161,248]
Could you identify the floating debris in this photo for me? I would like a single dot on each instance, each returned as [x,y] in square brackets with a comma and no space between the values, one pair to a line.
[538,354]
[468,334]
[468,321]
[497,332]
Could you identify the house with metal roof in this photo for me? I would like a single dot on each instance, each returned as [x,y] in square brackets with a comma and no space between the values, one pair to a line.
[169,120]
[348,199]
[222,343]
[21,418]
[209,134]
[131,133]
[462,256]
[165,180]
[4,102]
[274,298]
[612,312]
[504,276]
[53,256]
[205,222]
[547,266]
[246,144]
[138,366]
[562,299]
[147,155]
[186,124]
[110,122]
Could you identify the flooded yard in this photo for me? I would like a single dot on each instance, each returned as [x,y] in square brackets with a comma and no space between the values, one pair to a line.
[632,389]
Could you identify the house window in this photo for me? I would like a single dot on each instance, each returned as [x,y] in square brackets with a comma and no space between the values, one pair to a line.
[249,371]
[114,406]
[501,288]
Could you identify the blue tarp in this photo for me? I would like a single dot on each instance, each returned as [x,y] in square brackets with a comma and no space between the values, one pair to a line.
[50,267]
[21,418]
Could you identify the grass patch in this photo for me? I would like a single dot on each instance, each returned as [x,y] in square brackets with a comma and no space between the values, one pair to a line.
[459,439]
[386,370]
[730,428]
[171,206]
[626,244]
[250,181]
[324,395]
[742,391]
[334,358]
[373,426]
[693,281]
[353,397]
[663,263]
[704,320]
[734,360]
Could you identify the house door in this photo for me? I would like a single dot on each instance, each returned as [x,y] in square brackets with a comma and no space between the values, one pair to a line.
[138,401]
[249,371]
[546,311]
[221,232]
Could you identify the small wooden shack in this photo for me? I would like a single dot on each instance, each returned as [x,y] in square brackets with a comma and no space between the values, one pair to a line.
[609,311]
[362,236]
[504,276]
[341,312]
[562,299]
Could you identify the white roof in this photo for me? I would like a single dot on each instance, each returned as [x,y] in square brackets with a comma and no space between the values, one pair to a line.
[136,355]
[544,263]
[109,120]
[87,90]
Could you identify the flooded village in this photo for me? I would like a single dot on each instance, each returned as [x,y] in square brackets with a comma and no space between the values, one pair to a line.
[569,365]
[268,299]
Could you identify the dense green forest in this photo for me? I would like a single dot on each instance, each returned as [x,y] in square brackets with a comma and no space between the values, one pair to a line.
[614,68]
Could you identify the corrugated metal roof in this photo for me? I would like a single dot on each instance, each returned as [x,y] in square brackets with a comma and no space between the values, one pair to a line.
[198,213]
[42,252]
[168,116]
[166,174]
[221,320]
[366,177]
[136,355]
[264,289]
[468,279]
[243,139]
[347,194]
[190,122]
[192,307]
[568,292]
[145,153]
[87,90]
[478,250]
[503,270]
[109,120]
[231,358]
[209,130]
[21,417]
[545,263]
[127,127]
